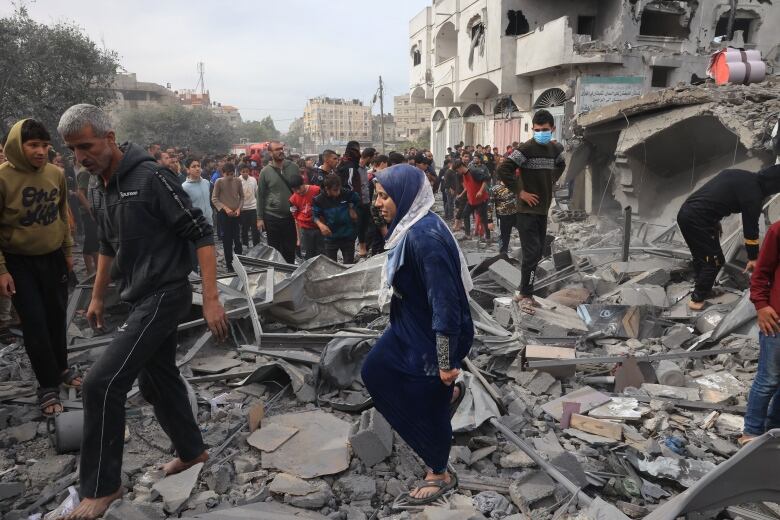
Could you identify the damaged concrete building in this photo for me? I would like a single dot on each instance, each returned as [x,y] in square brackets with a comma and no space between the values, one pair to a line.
[665,144]
[488,65]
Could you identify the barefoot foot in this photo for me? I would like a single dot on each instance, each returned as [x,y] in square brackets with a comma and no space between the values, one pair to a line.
[178,465]
[92,508]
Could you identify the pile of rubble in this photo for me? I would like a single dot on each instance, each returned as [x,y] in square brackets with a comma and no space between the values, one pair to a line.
[607,400]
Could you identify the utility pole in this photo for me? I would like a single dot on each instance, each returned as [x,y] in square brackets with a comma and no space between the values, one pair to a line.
[382,110]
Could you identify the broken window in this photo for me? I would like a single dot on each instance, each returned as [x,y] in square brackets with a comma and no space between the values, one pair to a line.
[662,23]
[743,24]
[518,24]
[660,77]
[476,30]
[587,25]
[416,56]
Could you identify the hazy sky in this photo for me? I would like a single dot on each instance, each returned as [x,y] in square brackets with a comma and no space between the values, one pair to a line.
[265,57]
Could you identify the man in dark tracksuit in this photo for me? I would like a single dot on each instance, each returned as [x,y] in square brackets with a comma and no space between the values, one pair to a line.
[731,191]
[541,164]
[146,223]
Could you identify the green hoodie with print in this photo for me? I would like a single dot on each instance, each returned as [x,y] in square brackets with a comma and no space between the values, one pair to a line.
[33,205]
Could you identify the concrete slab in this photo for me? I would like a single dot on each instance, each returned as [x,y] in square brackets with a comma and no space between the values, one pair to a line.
[176,489]
[319,448]
[505,274]
[372,438]
[587,396]
[214,364]
[270,437]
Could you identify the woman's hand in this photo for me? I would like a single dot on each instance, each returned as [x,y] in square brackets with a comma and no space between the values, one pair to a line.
[449,376]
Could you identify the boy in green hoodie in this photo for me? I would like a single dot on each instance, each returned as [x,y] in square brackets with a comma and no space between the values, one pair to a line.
[35,255]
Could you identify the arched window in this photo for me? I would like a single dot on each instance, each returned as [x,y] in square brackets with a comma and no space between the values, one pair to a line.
[446,43]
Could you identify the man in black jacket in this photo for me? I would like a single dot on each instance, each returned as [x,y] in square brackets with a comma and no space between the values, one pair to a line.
[146,223]
[730,191]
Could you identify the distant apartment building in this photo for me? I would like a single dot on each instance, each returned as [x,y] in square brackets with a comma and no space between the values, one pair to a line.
[488,65]
[330,122]
[412,118]
[131,93]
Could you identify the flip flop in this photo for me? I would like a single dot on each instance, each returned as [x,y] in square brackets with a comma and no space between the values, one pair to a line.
[444,489]
[456,403]
[71,375]
[48,398]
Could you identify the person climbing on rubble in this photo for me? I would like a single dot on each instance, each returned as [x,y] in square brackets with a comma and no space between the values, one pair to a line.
[763,406]
[541,164]
[145,224]
[35,256]
[730,191]
[411,371]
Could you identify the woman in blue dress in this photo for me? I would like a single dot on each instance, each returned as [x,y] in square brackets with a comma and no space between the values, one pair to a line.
[411,370]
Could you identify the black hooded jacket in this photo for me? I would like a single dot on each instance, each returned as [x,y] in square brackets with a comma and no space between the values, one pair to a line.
[146,222]
[735,191]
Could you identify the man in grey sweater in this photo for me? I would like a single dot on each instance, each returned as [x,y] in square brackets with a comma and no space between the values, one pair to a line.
[273,207]
[227,197]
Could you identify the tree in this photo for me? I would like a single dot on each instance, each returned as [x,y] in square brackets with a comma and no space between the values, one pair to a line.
[294,134]
[258,131]
[423,142]
[196,128]
[46,69]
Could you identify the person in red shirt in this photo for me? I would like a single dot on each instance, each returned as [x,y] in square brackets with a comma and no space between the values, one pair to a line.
[760,416]
[475,187]
[310,240]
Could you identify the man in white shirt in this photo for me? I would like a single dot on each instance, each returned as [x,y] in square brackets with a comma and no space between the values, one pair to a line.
[249,209]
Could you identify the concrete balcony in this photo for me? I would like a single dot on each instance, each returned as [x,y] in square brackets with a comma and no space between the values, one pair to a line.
[552,46]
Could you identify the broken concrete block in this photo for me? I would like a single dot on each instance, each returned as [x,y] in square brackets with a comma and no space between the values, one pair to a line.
[18,434]
[676,337]
[531,488]
[672,392]
[321,496]
[286,484]
[176,489]
[502,311]
[270,437]
[125,510]
[719,387]
[51,468]
[505,274]
[570,297]
[541,382]
[372,438]
[668,373]
[684,471]
[587,396]
[353,488]
[11,489]
[658,276]
[516,459]
[570,467]
[642,295]
[633,268]
[619,408]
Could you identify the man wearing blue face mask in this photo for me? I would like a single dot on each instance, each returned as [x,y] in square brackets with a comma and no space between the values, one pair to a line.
[540,163]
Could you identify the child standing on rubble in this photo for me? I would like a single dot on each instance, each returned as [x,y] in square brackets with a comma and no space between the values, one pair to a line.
[411,371]
[335,214]
[761,416]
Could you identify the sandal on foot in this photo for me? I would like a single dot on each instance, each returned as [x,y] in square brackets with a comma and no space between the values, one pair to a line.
[444,488]
[71,378]
[461,386]
[49,398]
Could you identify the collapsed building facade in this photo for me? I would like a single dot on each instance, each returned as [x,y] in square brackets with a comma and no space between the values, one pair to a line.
[488,65]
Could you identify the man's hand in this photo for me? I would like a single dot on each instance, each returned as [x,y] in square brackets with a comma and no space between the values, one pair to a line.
[750,266]
[7,287]
[529,198]
[490,226]
[768,321]
[449,376]
[452,192]
[95,313]
[216,319]
[69,263]
[237,212]
[480,193]
[260,225]
[325,230]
